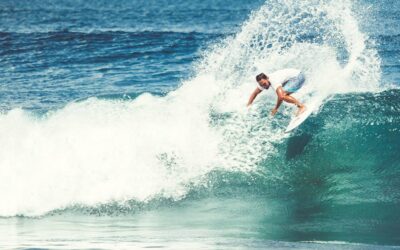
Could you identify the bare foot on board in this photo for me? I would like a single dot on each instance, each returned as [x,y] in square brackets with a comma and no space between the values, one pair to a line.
[301,109]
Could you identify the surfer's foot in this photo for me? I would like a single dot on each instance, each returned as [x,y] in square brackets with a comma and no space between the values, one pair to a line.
[301,109]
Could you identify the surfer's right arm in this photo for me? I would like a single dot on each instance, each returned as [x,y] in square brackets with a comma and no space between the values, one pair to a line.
[253,96]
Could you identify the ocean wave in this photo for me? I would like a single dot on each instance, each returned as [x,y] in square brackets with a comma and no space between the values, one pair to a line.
[334,148]
[99,152]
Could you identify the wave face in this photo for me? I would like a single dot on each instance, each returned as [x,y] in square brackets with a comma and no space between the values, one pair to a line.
[96,152]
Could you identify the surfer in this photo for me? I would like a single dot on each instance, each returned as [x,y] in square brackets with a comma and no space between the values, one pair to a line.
[284,82]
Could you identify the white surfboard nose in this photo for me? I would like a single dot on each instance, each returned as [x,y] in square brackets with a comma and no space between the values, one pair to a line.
[297,120]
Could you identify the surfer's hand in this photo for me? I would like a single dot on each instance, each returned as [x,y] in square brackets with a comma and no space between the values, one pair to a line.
[273,112]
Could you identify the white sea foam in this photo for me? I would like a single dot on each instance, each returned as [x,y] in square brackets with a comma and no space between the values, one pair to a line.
[97,151]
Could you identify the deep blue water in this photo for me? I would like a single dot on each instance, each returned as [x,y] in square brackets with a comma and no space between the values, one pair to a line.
[55,52]
[122,125]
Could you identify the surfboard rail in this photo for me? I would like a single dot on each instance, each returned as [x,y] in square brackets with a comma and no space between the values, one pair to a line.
[297,120]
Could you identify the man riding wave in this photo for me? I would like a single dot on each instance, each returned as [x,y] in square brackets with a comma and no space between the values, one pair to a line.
[285,82]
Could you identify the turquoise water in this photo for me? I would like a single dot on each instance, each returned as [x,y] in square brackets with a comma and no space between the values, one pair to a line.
[123,125]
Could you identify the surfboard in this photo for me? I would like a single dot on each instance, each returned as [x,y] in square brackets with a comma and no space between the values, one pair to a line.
[297,120]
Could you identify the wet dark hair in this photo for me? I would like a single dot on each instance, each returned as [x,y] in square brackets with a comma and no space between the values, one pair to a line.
[261,76]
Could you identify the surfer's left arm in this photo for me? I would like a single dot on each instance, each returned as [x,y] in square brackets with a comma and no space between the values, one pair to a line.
[280,94]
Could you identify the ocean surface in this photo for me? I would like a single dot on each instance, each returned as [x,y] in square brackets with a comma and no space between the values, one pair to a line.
[123,125]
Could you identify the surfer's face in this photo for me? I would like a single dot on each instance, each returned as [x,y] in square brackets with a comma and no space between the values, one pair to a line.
[264,83]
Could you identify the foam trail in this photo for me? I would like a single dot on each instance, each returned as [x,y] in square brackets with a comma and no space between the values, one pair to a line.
[97,151]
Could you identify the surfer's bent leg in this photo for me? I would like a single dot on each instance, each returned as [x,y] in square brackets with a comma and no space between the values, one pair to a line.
[285,96]
[291,86]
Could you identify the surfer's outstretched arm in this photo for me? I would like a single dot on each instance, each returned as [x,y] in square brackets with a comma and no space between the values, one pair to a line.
[253,96]
[278,104]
